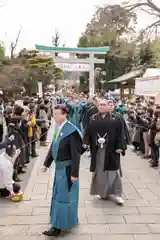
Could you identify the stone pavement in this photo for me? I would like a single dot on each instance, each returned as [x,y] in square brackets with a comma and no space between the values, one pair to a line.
[139,219]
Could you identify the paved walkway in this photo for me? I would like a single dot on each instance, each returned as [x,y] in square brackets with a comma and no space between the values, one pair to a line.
[139,219]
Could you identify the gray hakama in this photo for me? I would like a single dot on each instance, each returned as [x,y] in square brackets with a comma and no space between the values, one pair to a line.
[105,183]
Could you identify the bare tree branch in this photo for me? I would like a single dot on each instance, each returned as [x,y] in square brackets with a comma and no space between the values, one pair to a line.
[154,24]
[2,4]
[153,6]
[14,44]
[149,4]
[55,39]
[151,12]
[64,44]
[137,5]
[149,7]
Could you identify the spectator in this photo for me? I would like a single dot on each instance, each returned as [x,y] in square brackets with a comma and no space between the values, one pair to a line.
[8,188]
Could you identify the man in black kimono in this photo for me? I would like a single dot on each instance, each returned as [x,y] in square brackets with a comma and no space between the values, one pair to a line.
[104,136]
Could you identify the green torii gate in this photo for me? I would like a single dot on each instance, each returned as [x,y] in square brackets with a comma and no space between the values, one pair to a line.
[91,60]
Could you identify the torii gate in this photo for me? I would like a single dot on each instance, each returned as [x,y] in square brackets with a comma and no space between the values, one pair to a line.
[85,65]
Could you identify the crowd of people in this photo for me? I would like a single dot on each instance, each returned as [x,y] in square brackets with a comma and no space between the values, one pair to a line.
[21,127]
[141,115]
[84,124]
[104,126]
[144,124]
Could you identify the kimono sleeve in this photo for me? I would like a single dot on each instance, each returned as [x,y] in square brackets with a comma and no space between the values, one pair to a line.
[120,135]
[76,149]
[86,138]
[49,158]
[5,144]
[7,174]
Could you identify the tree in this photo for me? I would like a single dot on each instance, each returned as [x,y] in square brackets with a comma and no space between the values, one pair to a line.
[109,24]
[146,54]
[2,53]
[2,4]
[40,68]
[24,72]
[56,40]
[150,8]
[112,25]
[12,77]
[14,44]
[155,49]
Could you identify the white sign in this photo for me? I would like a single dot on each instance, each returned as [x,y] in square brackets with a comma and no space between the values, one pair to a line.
[40,91]
[147,86]
[151,72]
[74,67]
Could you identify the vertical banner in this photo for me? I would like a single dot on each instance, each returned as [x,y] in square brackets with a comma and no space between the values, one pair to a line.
[40,90]
[91,76]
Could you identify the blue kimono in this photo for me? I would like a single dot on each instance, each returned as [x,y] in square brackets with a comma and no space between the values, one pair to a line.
[65,151]
[82,112]
[121,109]
[75,113]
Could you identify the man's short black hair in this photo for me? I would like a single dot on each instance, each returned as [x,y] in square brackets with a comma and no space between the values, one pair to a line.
[25,102]
[18,110]
[46,101]
[42,106]
[64,109]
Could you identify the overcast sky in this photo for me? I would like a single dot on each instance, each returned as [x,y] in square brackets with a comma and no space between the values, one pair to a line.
[40,18]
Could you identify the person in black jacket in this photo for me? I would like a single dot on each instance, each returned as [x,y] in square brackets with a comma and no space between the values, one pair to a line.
[154,147]
[89,110]
[14,128]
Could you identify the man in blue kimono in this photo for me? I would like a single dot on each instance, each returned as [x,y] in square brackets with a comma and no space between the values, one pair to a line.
[90,109]
[65,151]
[74,107]
[125,133]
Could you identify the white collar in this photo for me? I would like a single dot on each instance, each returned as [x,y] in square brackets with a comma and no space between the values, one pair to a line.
[61,126]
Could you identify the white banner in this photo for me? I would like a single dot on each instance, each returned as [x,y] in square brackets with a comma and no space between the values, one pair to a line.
[147,87]
[40,91]
[74,67]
